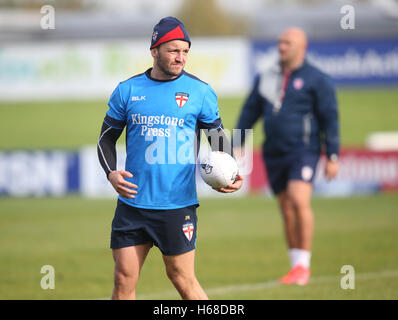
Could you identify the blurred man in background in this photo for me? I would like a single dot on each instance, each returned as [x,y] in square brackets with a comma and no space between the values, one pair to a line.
[297,103]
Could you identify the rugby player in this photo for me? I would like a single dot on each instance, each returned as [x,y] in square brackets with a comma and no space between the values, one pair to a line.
[162,110]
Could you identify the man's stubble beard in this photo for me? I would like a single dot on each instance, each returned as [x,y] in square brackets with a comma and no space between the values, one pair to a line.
[164,67]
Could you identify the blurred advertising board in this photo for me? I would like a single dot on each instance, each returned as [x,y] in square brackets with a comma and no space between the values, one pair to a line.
[92,69]
[365,62]
[361,171]
[58,173]
[38,173]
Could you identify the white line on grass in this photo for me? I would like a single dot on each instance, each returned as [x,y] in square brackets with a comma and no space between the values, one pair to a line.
[170,294]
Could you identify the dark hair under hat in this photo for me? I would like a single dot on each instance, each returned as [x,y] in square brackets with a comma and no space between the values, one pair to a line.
[169,29]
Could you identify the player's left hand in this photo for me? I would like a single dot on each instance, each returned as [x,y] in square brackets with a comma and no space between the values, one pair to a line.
[331,169]
[232,187]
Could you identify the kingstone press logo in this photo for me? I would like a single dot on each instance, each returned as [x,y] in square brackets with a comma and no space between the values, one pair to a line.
[147,124]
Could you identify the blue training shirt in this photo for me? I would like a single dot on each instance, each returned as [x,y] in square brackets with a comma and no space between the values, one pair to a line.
[162,120]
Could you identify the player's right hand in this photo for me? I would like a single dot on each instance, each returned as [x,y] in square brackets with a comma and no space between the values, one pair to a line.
[121,185]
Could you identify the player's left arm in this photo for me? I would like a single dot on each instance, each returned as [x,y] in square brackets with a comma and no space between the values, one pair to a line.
[219,141]
[216,136]
[209,120]
[328,116]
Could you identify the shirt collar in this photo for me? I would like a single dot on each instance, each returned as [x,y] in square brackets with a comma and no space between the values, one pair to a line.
[279,66]
[148,74]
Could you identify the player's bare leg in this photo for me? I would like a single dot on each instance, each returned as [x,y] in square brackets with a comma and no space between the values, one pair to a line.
[298,197]
[289,219]
[180,270]
[299,193]
[128,264]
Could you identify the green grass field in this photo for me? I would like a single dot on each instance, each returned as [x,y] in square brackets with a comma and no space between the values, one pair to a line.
[70,124]
[240,250]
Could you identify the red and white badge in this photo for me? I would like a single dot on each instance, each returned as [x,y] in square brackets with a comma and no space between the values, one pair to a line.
[181,98]
[298,83]
[188,230]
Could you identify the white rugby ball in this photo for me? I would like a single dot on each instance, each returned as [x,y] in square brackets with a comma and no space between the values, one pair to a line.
[218,169]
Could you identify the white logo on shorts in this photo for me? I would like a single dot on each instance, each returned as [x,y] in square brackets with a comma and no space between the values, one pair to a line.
[306,173]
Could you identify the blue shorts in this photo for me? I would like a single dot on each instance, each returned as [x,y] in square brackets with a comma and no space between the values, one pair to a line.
[172,231]
[292,166]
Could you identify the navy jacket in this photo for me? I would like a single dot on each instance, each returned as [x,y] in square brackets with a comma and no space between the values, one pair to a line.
[307,117]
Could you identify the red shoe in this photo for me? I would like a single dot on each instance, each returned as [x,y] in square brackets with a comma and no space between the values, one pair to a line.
[298,275]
